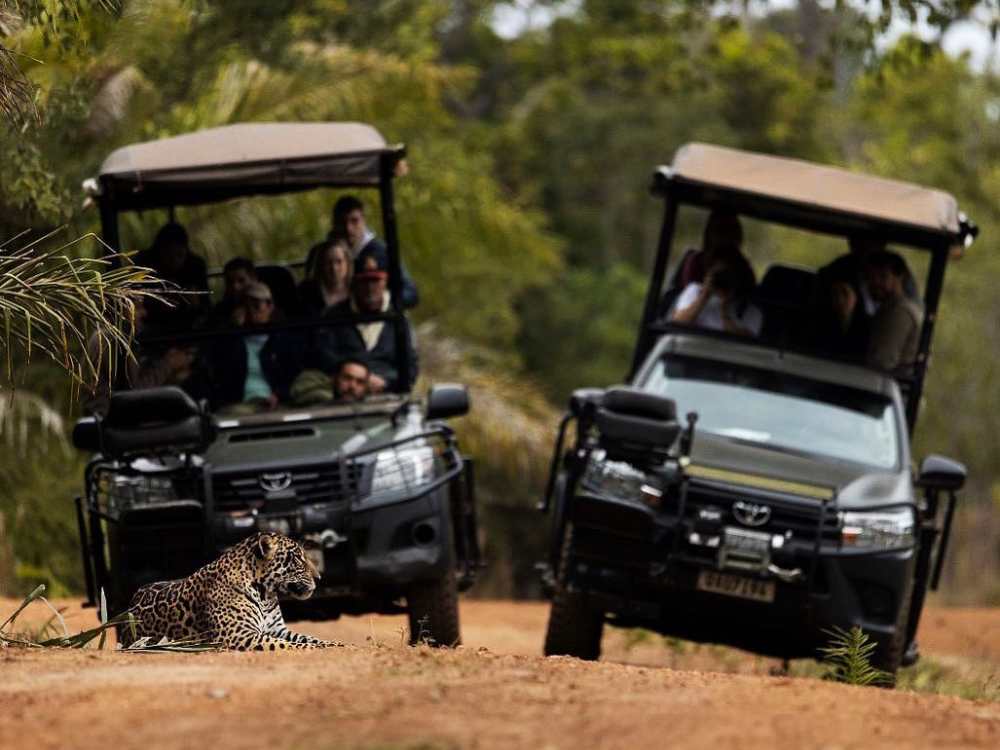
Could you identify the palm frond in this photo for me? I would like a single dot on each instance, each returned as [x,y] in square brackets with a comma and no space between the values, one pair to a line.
[53,304]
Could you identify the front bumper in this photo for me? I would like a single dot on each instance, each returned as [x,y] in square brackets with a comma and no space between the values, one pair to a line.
[380,549]
[638,565]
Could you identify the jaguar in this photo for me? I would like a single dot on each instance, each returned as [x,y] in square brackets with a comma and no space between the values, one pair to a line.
[231,602]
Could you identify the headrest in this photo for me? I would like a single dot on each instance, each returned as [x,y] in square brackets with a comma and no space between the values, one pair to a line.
[148,407]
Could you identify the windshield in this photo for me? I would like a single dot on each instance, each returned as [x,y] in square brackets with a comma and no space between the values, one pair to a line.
[781,412]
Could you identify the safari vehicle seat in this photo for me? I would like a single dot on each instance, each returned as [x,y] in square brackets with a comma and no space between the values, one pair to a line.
[145,420]
[786,296]
[636,425]
[282,285]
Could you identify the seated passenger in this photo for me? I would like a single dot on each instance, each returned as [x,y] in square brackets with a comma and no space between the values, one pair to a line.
[374,342]
[895,328]
[349,383]
[723,232]
[237,274]
[171,258]
[852,267]
[349,222]
[328,281]
[722,302]
[144,369]
[842,324]
[254,372]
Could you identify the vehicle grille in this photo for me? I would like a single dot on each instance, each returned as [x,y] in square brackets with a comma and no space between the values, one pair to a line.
[324,483]
[799,518]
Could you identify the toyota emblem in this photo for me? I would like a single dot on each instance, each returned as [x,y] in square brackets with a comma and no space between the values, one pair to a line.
[276,481]
[751,514]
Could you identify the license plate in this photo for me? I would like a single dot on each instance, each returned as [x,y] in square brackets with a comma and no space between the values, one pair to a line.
[746,542]
[316,556]
[738,586]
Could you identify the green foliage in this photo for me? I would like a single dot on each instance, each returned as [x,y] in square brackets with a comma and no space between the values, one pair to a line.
[525,218]
[580,330]
[848,658]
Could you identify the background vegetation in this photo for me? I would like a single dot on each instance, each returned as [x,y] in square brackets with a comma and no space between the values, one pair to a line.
[525,218]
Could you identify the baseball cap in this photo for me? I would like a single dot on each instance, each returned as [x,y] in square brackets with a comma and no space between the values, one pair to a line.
[258,290]
[371,266]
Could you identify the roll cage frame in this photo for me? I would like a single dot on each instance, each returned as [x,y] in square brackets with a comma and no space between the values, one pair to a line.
[115,194]
[678,191]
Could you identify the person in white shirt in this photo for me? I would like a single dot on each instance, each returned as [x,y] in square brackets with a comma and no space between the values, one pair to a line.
[722,302]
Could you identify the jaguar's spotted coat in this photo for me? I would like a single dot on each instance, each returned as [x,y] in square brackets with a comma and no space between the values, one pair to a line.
[232,601]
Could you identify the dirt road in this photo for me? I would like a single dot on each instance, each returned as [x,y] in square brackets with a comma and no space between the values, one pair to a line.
[494,692]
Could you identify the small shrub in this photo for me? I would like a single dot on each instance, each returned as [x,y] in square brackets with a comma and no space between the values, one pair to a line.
[848,658]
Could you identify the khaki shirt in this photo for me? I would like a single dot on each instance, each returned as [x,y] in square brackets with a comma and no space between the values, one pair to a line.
[895,334]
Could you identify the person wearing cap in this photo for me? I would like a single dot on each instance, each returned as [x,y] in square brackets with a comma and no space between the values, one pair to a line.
[171,258]
[254,372]
[376,341]
[349,223]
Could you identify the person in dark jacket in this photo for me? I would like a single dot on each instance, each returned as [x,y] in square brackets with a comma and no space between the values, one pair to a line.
[374,342]
[171,258]
[237,274]
[349,222]
[254,372]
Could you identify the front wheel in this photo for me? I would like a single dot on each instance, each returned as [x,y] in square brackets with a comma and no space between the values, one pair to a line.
[432,609]
[574,628]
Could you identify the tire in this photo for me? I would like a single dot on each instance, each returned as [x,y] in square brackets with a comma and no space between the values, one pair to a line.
[574,628]
[432,609]
[888,655]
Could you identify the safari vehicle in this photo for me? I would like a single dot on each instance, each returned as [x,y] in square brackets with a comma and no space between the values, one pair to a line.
[785,503]
[377,490]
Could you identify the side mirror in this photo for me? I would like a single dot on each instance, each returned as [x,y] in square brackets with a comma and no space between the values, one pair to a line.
[940,473]
[447,400]
[86,435]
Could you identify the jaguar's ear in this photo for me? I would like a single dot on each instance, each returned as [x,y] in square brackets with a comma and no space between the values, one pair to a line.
[264,547]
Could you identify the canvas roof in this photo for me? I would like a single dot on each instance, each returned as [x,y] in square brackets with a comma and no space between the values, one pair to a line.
[809,189]
[244,159]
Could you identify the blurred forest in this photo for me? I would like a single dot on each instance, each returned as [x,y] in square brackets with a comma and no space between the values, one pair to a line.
[525,218]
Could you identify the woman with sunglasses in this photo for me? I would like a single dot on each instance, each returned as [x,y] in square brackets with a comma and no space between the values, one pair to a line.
[254,372]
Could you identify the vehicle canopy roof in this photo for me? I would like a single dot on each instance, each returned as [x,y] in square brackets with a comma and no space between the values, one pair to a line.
[244,159]
[814,196]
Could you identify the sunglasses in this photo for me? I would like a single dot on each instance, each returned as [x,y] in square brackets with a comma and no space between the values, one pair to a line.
[258,302]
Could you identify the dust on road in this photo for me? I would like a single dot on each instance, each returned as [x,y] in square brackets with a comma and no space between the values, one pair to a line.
[494,692]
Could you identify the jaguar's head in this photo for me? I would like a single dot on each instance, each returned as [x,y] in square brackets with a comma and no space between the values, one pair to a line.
[282,566]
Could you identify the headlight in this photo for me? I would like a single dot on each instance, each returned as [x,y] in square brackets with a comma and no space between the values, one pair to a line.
[877,530]
[124,491]
[399,472]
[620,480]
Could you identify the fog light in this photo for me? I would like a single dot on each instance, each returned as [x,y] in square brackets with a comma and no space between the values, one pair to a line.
[652,496]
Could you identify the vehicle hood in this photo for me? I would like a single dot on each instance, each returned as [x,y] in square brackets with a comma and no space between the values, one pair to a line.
[718,459]
[302,443]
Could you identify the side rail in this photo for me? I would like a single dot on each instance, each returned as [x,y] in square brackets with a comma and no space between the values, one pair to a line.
[136,495]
